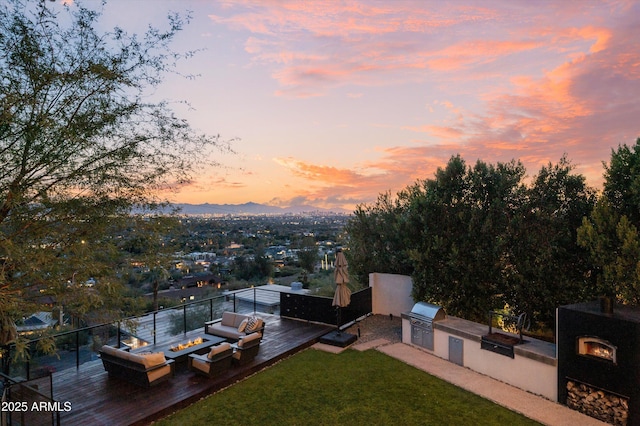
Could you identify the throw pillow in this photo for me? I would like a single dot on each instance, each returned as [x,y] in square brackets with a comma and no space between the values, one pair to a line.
[253,324]
[243,325]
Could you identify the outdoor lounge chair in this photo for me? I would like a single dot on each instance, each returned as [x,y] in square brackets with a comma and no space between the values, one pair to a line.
[247,348]
[143,370]
[213,363]
[234,326]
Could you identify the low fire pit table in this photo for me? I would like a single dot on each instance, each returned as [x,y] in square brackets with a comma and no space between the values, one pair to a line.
[180,356]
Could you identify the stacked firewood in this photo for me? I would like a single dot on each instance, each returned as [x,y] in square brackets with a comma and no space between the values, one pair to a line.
[597,403]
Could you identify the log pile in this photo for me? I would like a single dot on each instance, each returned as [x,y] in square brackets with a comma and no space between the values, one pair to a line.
[599,404]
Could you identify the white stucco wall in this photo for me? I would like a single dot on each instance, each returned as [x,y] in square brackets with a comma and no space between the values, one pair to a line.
[525,373]
[522,372]
[391,293]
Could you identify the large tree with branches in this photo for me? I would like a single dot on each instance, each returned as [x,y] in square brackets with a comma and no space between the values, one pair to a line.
[81,145]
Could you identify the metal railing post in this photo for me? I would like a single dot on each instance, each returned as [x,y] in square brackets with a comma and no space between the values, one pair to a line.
[254,300]
[77,349]
[118,335]
[184,318]
[234,303]
[29,363]
[155,328]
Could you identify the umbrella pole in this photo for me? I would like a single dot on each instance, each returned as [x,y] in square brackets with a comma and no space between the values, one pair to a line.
[339,312]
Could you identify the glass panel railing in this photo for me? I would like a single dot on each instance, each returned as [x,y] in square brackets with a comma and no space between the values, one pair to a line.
[32,402]
[257,300]
[68,347]
[79,346]
[18,367]
[195,316]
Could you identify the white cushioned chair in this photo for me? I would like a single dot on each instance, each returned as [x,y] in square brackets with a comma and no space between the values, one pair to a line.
[234,326]
[141,369]
[247,348]
[212,364]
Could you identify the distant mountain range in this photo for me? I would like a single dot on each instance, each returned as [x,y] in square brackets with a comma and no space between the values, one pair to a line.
[250,208]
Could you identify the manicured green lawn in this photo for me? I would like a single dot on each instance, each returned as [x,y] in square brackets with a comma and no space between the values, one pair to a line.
[352,388]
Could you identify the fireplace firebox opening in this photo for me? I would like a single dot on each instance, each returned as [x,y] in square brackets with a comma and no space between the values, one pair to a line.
[596,348]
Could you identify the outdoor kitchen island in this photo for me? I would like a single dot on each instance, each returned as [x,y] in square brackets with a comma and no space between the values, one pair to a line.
[533,367]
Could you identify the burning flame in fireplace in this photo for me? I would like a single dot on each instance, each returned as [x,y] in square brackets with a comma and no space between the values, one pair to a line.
[598,348]
[600,351]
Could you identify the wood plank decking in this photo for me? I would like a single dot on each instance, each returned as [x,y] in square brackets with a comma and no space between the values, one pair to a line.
[99,400]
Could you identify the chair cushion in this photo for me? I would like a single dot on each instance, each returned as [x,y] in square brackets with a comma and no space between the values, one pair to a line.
[247,340]
[228,318]
[158,373]
[153,359]
[133,357]
[218,349]
[243,325]
[198,364]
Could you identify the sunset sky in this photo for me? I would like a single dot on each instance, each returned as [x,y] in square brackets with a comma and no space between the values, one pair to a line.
[335,102]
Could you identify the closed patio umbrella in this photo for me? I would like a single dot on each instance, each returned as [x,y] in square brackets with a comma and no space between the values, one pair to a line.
[342,296]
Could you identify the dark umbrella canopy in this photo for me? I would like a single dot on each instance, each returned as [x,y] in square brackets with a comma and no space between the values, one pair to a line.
[342,296]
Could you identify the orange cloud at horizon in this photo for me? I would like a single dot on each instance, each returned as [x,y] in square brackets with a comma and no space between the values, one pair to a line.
[317,173]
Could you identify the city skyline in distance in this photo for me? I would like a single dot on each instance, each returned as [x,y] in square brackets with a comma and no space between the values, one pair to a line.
[251,208]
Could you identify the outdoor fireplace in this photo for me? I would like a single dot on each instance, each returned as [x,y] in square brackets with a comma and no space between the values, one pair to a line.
[598,348]
[599,361]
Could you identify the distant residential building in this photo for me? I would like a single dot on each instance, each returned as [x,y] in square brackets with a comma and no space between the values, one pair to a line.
[187,294]
[189,281]
[36,322]
[201,256]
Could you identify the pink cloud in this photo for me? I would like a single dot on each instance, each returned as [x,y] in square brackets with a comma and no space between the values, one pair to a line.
[567,85]
[362,41]
[583,107]
[439,132]
[469,53]
[357,43]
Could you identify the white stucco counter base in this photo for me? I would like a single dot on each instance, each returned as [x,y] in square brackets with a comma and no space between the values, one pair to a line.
[533,367]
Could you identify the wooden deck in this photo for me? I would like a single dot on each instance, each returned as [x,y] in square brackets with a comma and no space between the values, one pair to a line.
[99,400]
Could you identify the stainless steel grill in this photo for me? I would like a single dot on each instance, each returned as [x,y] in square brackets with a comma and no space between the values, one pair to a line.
[422,316]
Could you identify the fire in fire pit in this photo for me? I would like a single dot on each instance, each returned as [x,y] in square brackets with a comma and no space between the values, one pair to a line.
[183,346]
